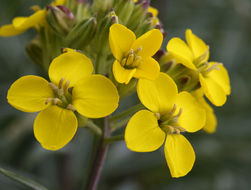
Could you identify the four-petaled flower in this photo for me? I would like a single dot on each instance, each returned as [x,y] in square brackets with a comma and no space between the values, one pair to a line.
[72,88]
[21,24]
[134,56]
[170,114]
[213,76]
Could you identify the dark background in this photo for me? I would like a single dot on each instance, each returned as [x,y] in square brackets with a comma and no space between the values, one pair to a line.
[223,159]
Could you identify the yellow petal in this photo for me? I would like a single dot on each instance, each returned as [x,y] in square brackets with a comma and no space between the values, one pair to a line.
[211,122]
[29,93]
[193,116]
[9,30]
[142,133]
[213,91]
[179,154]
[221,77]
[197,45]
[54,127]
[121,40]
[159,95]
[153,10]
[58,2]
[182,53]
[150,42]
[121,74]
[148,69]
[95,96]
[72,66]
[24,23]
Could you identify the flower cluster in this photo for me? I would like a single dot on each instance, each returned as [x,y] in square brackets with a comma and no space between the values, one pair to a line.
[120,42]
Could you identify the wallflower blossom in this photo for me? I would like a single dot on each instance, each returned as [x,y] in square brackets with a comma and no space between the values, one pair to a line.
[72,88]
[21,24]
[213,76]
[134,56]
[169,115]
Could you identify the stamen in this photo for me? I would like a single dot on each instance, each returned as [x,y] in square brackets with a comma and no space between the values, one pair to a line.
[213,67]
[157,115]
[48,100]
[57,101]
[139,49]
[173,110]
[66,86]
[130,59]
[199,60]
[203,66]
[71,107]
[137,61]
[53,86]
[60,85]
[123,62]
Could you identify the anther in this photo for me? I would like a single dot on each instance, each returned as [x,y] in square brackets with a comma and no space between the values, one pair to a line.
[48,100]
[137,61]
[60,84]
[53,86]
[66,86]
[71,107]
[130,59]
[139,49]
[180,112]
[213,67]
[57,101]
[157,115]
[173,110]
[123,62]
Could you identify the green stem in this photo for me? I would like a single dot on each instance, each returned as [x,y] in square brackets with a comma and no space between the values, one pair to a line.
[118,124]
[99,158]
[114,139]
[126,113]
[94,128]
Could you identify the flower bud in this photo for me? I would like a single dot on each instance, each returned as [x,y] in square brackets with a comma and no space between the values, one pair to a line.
[124,9]
[60,19]
[34,50]
[82,34]
[138,15]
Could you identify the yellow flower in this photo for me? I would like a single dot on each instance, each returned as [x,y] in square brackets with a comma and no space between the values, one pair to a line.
[213,76]
[72,87]
[134,56]
[170,114]
[211,120]
[21,24]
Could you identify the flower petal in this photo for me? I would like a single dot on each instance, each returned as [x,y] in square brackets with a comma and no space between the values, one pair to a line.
[148,69]
[24,23]
[72,66]
[179,49]
[54,127]
[29,93]
[221,77]
[150,42]
[159,95]
[121,40]
[142,133]
[211,120]
[95,96]
[213,91]
[121,74]
[9,30]
[193,116]
[153,10]
[197,45]
[179,154]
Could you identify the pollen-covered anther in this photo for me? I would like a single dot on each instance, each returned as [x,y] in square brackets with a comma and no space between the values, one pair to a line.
[66,86]
[157,115]
[60,84]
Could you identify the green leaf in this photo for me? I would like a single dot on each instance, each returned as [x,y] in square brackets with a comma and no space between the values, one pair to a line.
[23,180]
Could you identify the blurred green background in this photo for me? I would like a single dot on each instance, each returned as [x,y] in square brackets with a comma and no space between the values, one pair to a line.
[223,159]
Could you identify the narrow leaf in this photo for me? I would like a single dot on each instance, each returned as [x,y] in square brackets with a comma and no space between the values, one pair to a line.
[23,180]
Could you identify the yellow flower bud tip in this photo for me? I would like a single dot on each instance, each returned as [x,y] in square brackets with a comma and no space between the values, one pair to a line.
[35,8]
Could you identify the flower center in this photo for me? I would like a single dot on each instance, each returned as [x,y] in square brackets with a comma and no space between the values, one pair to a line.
[132,60]
[63,95]
[169,121]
